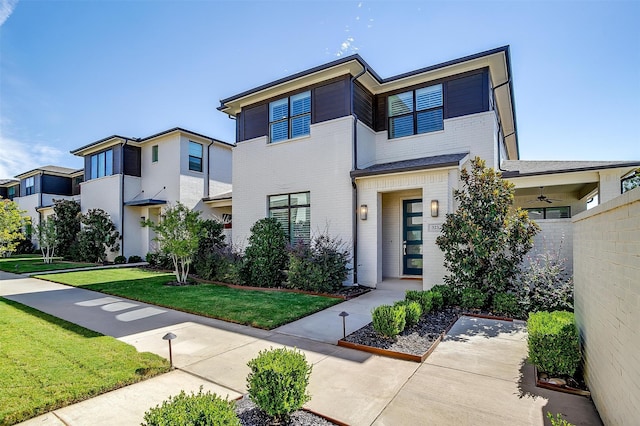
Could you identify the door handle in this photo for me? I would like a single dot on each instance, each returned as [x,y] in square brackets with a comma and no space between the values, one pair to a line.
[404,248]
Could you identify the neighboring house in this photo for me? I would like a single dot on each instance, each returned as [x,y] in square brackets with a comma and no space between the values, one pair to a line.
[374,161]
[133,179]
[38,188]
[9,188]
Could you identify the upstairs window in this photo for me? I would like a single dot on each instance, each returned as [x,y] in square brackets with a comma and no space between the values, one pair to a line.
[154,154]
[102,164]
[195,156]
[30,186]
[11,192]
[415,112]
[290,117]
[293,212]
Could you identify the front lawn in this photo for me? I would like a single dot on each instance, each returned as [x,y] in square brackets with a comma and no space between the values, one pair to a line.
[23,264]
[48,363]
[263,309]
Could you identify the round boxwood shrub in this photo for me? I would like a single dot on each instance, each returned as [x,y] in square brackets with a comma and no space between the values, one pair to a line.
[450,295]
[389,320]
[119,260]
[554,343]
[473,298]
[203,409]
[413,312]
[278,382]
[506,304]
[134,259]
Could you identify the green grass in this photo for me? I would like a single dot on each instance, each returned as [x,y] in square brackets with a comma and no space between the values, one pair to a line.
[47,363]
[23,264]
[263,309]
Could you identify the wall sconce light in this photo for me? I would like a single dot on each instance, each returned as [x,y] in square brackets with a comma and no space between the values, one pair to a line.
[434,208]
[364,210]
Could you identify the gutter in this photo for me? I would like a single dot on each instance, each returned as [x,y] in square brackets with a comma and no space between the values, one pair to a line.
[206,182]
[122,197]
[354,186]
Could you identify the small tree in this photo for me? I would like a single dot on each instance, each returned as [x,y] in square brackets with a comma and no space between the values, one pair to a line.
[47,238]
[485,239]
[67,222]
[266,257]
[11,223]
[98,235]
[178,233]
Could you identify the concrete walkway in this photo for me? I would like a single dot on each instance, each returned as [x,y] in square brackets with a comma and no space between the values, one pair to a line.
[476,376]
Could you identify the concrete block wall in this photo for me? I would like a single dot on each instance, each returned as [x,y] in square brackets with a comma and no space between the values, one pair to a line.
[607,293]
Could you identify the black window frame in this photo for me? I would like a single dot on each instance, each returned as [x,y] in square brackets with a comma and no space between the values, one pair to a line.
[545,209]
[289,118]
[30,189]
[290,207]
[415,112]
[195,160]
[11,196]
[108,166]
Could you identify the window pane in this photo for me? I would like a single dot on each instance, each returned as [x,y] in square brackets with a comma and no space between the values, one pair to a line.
[300,125]
[278,110]
[108,163]
[401,126]
[154,153]
[301,103]
[279,131]
[401,103]
[414,235]
[414,249]
[558,213]
[278,201]
[299,199]
[430,121]
[414,263]
[282,216]
[195,149]
[300,225]
[101,164]
[195,163]
[94,166]
[414,207]
[429,97]
[535,214]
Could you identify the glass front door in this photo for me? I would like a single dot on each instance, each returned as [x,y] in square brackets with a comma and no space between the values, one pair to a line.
[412,237]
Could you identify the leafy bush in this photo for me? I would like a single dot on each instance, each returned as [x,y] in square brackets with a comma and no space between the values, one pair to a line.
[546,285]
[134,259]
[473,298]
[266,257]
[557,420]
[210,256]
[506,304]
[67,220]
[437,299]
[119,260]
[413,311]
[450,294]
[389,320]
[204,409]
[159,260]
[554,345]
[278,381]
[97,235]
[320,267]
[424,298]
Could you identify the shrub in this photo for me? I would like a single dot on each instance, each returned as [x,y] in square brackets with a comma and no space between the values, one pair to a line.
[210,257]
[557,420]
[546,285]
[389,320]
[424,298]
[320,267]
[506,304]
[119,260]
[134,259]
[450,294]
[437,299]
[278,381]
[98,234]
[205,409]
[554,345]
[151,258]
[266,257]
[413,311]
[473,298]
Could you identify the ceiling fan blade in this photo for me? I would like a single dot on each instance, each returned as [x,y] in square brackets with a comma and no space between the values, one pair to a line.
[548,200]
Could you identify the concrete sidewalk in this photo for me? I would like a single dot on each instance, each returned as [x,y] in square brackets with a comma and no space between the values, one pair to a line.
[478,375]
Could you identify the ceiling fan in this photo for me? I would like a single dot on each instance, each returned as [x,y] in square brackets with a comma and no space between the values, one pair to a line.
[543,198]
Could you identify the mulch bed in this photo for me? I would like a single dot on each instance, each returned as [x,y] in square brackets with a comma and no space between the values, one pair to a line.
[567,384]
[251,415]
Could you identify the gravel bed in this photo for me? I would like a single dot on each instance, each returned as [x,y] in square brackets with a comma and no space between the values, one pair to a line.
[415,340]
[251,415]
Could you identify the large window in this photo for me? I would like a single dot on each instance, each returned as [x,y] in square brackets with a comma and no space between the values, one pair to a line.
[538,213]
[11,192]
[293,211]
[30,185]
[195,156]
[102,164]
[290,117]
[414,112]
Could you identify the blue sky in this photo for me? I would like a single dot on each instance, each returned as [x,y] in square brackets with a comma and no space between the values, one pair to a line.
[73,72]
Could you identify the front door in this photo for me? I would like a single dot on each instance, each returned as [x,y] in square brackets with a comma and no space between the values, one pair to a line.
[412,237]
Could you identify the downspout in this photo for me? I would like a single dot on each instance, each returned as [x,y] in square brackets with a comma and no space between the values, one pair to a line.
[122,198]
[354,186]
[39,204]
[500,129]
[206,182]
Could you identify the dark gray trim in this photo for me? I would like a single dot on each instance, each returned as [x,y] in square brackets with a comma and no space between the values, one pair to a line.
[82,148]
[424,163]
[516,173]
[145,202]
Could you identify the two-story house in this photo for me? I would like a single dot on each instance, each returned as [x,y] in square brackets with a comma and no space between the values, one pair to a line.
[374,161]
[9,188]
[133,179]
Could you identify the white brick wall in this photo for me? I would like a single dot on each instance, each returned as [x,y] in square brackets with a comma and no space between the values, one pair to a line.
[607,293]
[556,235]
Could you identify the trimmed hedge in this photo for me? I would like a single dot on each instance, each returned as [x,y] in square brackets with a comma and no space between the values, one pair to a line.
[506,304]
[554,344]
[206,409]
[473,298]
[413,311]
[389,320]
[424,298]
[450,295]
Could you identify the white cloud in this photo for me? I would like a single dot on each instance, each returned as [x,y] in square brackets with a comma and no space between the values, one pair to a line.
[19,157]
[6,9]
[347,46]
